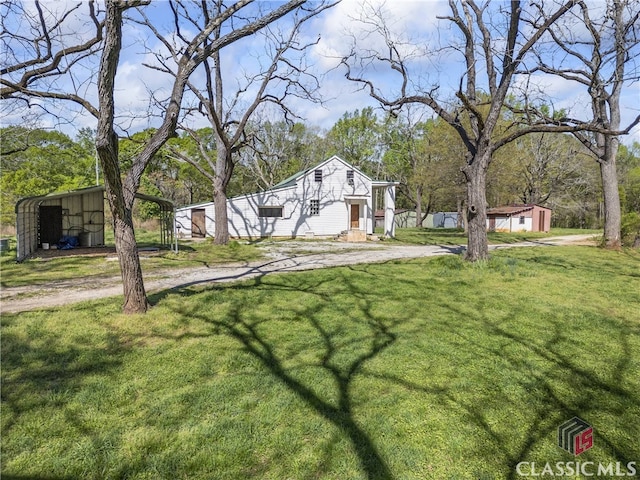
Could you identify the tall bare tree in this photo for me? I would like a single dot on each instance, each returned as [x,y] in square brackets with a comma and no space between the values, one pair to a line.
[599,48]
[283,74]
[277,151]
[494,43]
[41,58]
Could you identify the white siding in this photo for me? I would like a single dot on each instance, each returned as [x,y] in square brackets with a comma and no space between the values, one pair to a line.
[516,226]
[183,219]
[334,195]
[502,224]
[512,224]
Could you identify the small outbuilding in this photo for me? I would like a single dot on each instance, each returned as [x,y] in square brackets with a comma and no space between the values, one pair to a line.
[519,218]
[76,216]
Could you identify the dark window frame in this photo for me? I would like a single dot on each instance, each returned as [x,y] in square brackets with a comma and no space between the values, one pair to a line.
[350,177]
[318,175]
[270,211]
[314,207]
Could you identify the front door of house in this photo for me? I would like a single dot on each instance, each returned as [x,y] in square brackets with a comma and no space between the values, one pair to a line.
[355,216]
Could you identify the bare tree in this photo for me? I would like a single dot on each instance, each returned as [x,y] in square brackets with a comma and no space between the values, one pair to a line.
[599,48]
[494,45]
[284,74]
[546,166]
[40,58]
[278,150]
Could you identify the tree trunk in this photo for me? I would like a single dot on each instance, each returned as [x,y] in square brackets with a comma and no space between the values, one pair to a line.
[460,223]
[418,207]
[612,210]
[220,182]
[135,299]
[135,296]
[476,212]
[120,199]
[220,206]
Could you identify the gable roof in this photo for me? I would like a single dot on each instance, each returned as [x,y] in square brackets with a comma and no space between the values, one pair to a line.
[292,180]
[509,210]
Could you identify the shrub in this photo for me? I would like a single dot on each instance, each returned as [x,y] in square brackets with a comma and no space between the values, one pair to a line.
[630,229]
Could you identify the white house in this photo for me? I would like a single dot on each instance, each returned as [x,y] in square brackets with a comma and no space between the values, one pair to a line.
[323,201]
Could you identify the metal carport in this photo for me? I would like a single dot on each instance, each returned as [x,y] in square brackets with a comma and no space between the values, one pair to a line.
[74,213]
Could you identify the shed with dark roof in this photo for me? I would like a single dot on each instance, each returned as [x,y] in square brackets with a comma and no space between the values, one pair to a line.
[519,218]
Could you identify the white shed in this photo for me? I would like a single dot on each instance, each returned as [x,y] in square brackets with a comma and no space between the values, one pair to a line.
[331,198]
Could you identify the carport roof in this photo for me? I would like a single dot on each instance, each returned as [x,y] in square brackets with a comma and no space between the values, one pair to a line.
[165,205]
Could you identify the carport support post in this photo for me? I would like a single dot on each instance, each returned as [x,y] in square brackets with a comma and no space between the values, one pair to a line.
[389,211]
[175,229]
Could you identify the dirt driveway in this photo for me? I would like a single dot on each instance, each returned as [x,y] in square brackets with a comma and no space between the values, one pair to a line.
[281,257]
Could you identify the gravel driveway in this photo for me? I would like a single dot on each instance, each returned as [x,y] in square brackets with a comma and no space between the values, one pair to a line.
[281,257]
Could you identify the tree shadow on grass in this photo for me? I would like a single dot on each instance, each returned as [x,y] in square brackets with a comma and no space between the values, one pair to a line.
[551,385]
[42,372]
[241,324]
[552,371]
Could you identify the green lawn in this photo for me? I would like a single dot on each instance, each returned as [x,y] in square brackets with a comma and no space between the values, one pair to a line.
[454,236]
[423,369]
[205,253]
[190,254]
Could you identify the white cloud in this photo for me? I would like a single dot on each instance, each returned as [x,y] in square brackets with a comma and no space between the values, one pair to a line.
[413,21]
[352,24]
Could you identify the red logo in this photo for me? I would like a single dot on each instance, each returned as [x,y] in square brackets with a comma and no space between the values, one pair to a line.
[583,441]
[575,436]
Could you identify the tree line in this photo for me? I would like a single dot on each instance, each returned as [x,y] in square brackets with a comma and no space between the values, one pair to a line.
[424,155]
[64,60]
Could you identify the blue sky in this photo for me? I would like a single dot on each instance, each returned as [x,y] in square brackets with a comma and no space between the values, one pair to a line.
[414,21]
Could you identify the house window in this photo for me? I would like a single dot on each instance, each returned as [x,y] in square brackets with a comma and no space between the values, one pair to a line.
[270,212]
[350,177]
[314,207]
[522,220]
[318,175]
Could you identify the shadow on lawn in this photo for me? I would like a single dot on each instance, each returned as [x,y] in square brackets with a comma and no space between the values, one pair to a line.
[240,324]
[549,405]
[542,367]
[41,372]
[545,404]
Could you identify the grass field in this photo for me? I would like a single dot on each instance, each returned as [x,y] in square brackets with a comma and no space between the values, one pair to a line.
[454,236]
[423,369]
[190,254]
[204,253]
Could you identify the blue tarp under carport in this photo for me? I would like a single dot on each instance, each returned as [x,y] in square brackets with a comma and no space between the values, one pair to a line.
[74,214]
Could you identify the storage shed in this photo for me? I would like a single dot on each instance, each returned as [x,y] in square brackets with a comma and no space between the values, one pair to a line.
[519,218]
[44,220]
